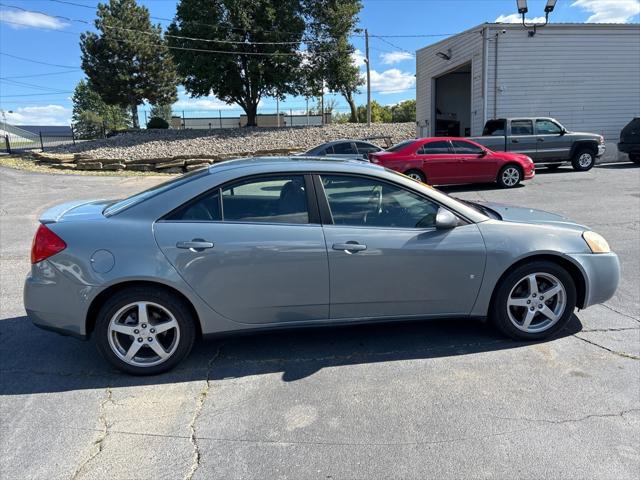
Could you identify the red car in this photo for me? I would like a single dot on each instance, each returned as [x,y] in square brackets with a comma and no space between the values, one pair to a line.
[451,160]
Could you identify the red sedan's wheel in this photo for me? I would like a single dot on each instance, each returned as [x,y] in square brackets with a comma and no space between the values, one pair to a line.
[509,176]
[416,175]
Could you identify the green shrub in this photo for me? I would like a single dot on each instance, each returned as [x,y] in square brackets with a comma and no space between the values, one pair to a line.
[157,122]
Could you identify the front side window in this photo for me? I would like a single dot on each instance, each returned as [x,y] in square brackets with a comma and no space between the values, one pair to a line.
[273,199]
[521,127]
[547,127]
[466,148]
[435,148]
[367,202]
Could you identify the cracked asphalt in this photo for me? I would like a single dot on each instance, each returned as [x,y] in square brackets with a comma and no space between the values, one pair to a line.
[415,400]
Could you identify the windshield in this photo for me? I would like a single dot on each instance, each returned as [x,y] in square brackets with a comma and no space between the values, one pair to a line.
[121,205]
[399,146]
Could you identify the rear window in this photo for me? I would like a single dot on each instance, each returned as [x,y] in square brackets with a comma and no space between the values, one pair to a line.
[494,127]
[400,146]
[121,205]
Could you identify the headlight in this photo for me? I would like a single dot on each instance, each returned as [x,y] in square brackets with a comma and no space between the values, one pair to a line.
[596,242]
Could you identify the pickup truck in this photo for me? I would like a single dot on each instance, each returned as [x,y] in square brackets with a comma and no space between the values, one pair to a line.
[543,139]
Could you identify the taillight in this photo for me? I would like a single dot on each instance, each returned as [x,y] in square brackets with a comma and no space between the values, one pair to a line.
[45,243]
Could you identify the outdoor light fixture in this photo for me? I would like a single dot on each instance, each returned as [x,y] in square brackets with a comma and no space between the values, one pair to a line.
[522,6]
[522,10]
[444,56]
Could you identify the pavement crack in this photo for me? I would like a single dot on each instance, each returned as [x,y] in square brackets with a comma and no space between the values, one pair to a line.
[98,443]
[620,329]
[609,307]
[620,354]
[620,414]
[202,396]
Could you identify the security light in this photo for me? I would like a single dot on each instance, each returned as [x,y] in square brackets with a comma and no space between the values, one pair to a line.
[551,4]
[444,56]
[522,6]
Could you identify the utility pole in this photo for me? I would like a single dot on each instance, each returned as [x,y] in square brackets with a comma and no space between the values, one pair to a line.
[366,53]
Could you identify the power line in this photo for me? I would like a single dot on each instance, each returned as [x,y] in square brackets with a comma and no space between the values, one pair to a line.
[392,44]
[37,61]
[34,94]
[31,85]
[39,74]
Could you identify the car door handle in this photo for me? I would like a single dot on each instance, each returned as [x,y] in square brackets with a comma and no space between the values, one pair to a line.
[349,247]
[196,245]
[541,139]
[515,140]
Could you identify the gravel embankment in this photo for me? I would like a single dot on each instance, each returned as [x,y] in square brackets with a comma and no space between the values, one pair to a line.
[244,141]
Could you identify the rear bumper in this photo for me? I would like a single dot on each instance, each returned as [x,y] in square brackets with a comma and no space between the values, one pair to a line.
[602,275]
[54,302]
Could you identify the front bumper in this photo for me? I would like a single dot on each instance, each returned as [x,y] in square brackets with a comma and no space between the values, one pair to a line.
[601,273]
[601,149]
[529,172]
[55,302]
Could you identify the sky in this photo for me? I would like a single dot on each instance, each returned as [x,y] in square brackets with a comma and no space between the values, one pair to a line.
[33,93]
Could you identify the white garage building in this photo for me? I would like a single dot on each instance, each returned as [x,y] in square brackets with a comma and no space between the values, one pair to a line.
[587,76]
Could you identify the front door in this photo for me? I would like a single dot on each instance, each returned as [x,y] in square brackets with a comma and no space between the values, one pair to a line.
[522,138]
[252,250]
[386,258]
[476,165]
[552,144]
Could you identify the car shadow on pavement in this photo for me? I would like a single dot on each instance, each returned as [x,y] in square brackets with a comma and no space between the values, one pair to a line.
[34,361]
[476,187]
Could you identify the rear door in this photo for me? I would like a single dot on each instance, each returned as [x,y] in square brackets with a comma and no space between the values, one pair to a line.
[475,164]
[552,144]
[522,138]
[439,162]
[386,258]
[253,250]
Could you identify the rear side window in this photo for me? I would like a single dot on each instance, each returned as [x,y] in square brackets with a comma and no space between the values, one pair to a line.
[494,127]
[345,148]
[434,148]
[521,127]
[205,208]
[364,147]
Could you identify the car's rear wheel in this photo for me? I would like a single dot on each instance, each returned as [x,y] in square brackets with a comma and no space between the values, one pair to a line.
[634,157]
[416,175]
[534,301]
[509,176]
[583,160]
[144,331]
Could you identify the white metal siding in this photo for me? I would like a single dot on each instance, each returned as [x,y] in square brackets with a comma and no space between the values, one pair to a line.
[465,47]
[586,76]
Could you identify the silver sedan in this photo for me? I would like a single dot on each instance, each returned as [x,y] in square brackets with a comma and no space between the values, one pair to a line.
[273,243]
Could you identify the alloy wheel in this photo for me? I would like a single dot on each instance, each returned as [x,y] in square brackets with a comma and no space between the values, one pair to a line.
[143,334]
[414,176]
[585,160]
[536,302]
[510,176]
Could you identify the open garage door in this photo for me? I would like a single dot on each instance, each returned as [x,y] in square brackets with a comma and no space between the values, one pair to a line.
[453,103]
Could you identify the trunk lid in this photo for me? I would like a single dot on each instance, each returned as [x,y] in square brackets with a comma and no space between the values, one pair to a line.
[75,210]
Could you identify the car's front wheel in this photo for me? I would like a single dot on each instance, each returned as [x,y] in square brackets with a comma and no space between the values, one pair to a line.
[634,157]
[144,331]
[583,160]
[534,301]
[509,176]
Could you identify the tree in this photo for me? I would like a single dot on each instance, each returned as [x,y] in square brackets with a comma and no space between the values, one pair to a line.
[247,71]
[329,60]
[127,61]
[379,114]
[161,111]
[404,111]
[91,115]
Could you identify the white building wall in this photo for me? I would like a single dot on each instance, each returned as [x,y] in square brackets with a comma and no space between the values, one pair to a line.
[587,76]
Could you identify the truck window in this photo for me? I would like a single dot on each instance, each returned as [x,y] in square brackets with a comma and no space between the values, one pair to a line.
[521,127]
[494,128]
[547,127]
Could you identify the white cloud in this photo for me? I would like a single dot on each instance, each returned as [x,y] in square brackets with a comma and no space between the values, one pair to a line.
[391,81]
[30,19]
[391,58]
[40,115]
[609,11]
[358,58]
[517,18]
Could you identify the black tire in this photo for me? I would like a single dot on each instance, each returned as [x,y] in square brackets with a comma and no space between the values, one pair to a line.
[583,160]
[509,176]
[181,339]
[553,166]
[635,157]
[500,310]
[416,175]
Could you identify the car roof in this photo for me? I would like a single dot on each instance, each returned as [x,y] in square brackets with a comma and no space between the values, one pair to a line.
[296,163]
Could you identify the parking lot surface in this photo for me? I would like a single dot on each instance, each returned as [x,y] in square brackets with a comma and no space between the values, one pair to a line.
[440,399]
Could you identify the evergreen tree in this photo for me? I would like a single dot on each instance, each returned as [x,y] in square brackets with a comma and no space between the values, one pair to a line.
[92,117]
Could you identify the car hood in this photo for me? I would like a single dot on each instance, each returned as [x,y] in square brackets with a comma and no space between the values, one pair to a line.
[510,213]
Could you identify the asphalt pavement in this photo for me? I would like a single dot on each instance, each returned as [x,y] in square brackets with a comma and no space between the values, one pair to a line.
[415,400]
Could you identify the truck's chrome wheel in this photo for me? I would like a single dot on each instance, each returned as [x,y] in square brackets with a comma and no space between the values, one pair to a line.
[510,176]
[585,160]
[536,302]
[143,334]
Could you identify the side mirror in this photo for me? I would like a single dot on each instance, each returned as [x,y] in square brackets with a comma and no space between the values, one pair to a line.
[445,220]
[483,153]
[563,131]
